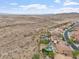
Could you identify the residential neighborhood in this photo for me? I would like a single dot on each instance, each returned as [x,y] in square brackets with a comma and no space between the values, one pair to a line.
[64,42]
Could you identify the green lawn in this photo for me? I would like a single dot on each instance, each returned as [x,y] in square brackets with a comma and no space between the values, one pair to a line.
[75,53]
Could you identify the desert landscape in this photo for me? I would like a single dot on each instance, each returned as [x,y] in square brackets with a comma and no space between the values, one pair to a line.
[17,31]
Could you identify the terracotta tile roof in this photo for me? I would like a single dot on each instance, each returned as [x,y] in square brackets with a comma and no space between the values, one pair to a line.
[76,35]
[62,48]
[60,56]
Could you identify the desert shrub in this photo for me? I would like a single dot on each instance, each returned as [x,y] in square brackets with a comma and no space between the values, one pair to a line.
[44,41]
[36,56]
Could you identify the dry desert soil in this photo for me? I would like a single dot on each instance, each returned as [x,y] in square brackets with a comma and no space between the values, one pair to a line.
[16,32]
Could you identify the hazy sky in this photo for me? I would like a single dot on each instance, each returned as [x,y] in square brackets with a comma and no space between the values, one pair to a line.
[38,6]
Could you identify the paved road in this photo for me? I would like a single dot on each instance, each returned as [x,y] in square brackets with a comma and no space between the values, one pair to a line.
[66,37]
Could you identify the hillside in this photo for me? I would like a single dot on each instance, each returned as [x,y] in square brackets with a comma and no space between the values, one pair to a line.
[16,33]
